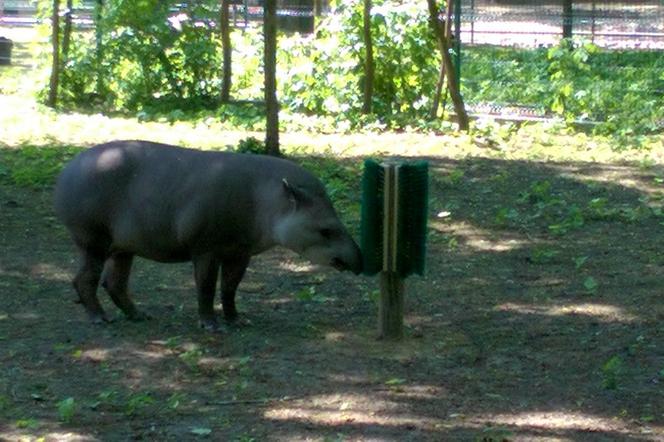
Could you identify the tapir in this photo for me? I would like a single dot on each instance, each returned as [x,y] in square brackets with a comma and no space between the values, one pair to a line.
[171,204]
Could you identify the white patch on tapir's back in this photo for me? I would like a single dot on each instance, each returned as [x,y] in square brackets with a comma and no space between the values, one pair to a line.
[110,159]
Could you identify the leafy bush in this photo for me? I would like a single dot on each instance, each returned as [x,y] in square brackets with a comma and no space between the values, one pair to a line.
[619,91]
[162,59]
[148,57]
[324,75]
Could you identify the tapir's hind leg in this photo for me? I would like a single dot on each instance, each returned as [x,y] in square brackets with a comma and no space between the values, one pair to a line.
[116,283]
[86,282]
[232,272]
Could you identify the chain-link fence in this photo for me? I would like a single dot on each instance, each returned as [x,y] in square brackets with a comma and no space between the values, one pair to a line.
[636,24]
[506,73]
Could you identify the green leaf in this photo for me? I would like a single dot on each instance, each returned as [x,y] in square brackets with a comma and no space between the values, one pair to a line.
[395,381]
[580,261]
[66,409]
[27,423]
[201,431]
[590,284]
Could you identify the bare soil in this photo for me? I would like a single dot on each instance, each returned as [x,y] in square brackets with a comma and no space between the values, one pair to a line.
[540,318]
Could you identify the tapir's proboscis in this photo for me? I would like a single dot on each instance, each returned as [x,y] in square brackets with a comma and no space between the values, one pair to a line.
[172,204]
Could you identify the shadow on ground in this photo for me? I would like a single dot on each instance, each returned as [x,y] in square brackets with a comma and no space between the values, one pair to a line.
[539,318]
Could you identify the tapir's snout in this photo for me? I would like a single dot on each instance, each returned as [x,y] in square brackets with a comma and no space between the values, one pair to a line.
[352,262]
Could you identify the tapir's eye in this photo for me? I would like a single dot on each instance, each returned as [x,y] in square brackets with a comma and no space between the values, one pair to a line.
[326,233]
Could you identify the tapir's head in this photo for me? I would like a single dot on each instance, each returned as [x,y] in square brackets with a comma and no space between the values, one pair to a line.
[310,226]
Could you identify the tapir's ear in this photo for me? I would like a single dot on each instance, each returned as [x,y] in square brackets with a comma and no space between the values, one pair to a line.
[296,195]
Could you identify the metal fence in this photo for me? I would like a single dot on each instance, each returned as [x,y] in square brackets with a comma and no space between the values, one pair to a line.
[636,24]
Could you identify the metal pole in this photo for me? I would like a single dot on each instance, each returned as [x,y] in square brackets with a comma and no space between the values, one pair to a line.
[592,26]
[567,18]
[472,22]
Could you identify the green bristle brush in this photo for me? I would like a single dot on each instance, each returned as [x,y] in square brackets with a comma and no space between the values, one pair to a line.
[411,208]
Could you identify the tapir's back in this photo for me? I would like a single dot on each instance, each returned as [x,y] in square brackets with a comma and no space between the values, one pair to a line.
[151,197]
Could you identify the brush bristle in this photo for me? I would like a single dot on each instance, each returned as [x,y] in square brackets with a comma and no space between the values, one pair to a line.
[371,227]
[413,198]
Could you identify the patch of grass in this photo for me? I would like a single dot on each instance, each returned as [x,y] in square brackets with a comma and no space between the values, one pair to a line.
[543,255]
[191,357]
[34,166]
[611,372]
[28,423]
[137,402]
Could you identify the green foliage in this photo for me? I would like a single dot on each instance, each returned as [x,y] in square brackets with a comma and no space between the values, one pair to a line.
[27,423]
[611,372]
[251,145]
[148,58]
[163,60]
[542,255]
[191,357]
[33,166]
[620,91]
[591,285]
[138,401]
[66,409]
[325,75]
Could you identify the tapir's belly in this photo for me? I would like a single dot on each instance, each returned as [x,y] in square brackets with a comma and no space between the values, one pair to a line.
[175,236]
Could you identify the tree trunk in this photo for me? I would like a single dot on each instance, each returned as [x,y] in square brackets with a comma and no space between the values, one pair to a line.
[99,49]
[55,67]
[369,66]
[228,51]
[567,18]
[66,33]
[270,66]
[452,80]
[441,72]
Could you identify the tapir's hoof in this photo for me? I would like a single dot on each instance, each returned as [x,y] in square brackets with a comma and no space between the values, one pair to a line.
[230,315]
[138,315]
[211,326]
[239,321]
[99,318]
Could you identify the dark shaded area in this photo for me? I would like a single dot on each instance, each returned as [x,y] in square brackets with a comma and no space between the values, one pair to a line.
[505,338]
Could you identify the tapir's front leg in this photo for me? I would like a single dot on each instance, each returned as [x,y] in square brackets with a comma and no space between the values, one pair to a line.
[232,271]
[206,269]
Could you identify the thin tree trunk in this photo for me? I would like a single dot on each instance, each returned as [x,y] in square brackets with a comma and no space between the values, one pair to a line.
[441,73]
[55,67]
[227,51]
[452,81]
[169,70]
[270,66]
[99,48]
[369,66]
[66,33]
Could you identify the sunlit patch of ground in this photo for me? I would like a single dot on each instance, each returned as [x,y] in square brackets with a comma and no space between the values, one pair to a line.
[600,312]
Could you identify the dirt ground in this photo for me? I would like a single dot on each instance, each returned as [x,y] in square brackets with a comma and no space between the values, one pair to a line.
[540,318]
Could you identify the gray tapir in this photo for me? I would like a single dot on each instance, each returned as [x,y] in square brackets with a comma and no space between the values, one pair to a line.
[172,204]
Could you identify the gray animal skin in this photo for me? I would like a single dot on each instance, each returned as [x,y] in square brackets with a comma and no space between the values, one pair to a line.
[171,204]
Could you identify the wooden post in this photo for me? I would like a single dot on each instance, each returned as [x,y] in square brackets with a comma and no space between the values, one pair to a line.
[390,310]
